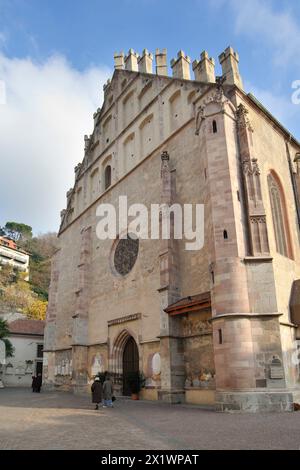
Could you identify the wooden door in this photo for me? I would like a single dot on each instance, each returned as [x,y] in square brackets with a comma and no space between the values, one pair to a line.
[130,364]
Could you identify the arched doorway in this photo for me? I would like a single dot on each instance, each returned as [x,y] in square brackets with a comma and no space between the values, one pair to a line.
[130,364]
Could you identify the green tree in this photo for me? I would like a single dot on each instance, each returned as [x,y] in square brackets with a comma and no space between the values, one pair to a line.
[31,297]
[17,231]
[8,274]
[4,333]
[41,249]
[16,296]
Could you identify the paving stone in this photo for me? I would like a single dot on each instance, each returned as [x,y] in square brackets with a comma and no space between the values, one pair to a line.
[59,420]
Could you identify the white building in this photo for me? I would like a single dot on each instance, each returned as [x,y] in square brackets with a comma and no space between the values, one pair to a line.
[10,254]
[27,338]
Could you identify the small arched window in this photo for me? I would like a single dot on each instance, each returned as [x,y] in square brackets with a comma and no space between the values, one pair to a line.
[279,215]
[215,127]
[191,97]
[175,109]
[107,176]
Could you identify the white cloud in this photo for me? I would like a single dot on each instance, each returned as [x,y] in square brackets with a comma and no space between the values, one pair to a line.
[259,20]
[282,109]
[49,107]
[278,33]
[279,29]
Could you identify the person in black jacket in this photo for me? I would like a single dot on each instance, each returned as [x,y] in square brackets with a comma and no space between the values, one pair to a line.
[38,383]
[33,385]
[96,392]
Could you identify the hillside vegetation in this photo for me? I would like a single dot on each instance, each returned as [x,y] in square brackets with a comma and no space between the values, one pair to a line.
[16,294]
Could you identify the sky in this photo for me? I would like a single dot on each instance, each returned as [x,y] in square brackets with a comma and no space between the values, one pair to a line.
[55,56]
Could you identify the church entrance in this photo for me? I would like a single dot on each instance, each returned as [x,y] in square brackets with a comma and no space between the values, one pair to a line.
[130,364]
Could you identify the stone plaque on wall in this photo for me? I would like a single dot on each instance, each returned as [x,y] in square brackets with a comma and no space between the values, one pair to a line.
[276,369]
[276,372]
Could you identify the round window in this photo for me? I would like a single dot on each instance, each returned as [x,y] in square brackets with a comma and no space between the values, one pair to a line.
[125,255]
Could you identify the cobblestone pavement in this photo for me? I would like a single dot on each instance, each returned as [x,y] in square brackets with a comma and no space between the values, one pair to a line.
[57,420]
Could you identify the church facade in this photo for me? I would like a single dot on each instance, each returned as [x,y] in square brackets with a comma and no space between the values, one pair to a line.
[217,325]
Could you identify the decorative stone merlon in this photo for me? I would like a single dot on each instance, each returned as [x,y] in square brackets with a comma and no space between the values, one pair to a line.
[229,60]
[106,86]
[96,114]
[145,62]
[181,66]
[62,214]
[77,169]
[119,60]
[204,70]
[69,194]
[297,161]
[131,61]
[161,62]
[86,142]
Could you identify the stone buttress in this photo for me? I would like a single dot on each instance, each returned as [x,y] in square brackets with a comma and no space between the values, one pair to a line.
[246,331]
[171,345]
[80,317]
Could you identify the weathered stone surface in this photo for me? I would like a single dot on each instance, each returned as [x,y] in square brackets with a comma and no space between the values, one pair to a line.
[173,140]
[69,422]
[254,402]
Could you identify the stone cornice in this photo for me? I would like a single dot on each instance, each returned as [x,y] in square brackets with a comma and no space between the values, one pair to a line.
[118,321]
[57,350]
[258,259]
[245,315]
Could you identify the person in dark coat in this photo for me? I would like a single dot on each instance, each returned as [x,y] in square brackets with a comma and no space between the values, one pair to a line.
[38,383]
[96,392]
[33,385]
[108,391]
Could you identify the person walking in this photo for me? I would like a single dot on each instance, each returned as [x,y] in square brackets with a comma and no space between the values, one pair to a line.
[96,389]
[108,391]
[33,385]
[38,383]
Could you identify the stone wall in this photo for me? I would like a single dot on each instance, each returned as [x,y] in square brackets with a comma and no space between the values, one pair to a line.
[94,309]
[198,350]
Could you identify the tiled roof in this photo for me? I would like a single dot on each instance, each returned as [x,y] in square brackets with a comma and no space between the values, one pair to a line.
[7,242]
[189,304]
[29,327]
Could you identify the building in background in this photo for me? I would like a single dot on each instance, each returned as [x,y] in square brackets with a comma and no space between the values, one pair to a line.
[216,325]
[27,338]
[11,254]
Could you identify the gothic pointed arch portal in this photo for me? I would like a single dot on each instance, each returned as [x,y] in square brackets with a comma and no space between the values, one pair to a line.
[125,360]
[130,364]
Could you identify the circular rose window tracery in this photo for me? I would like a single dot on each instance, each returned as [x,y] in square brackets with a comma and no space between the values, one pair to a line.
[125,255]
